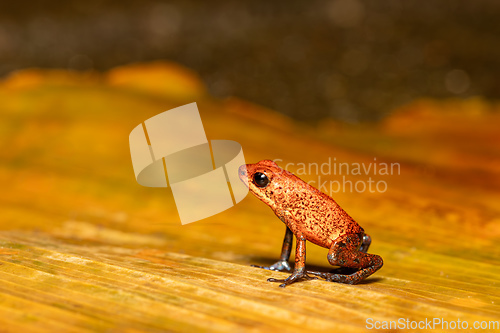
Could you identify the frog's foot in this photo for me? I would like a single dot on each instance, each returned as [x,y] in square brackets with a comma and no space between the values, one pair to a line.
[297,275]
[341,278]
[281,265]
[345,252]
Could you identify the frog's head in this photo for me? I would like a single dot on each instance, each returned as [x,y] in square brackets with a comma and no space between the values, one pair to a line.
[263,180]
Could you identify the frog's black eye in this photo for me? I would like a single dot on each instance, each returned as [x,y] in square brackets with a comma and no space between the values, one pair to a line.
[260,179]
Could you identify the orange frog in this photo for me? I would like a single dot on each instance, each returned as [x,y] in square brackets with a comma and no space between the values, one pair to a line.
[312,216]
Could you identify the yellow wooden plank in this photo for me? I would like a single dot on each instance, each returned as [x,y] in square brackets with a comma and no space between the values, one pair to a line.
[216,287]
[83,247]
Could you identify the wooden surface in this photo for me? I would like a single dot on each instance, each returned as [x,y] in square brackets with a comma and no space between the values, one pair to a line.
[84,248]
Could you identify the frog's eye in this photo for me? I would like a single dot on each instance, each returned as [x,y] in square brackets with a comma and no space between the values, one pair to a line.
[260,179]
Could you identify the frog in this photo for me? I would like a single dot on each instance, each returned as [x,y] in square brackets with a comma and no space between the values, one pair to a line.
[311,216]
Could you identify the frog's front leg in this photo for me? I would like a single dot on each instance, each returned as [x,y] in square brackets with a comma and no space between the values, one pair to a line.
[286,249]
[347,252]
[299,271]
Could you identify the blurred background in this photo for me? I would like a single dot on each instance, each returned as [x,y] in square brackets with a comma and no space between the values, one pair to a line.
[349,60]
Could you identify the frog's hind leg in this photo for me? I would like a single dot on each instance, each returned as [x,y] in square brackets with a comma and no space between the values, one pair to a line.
[347,252]
[367,240]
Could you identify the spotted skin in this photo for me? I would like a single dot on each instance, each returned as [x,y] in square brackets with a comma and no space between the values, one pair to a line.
[312,216]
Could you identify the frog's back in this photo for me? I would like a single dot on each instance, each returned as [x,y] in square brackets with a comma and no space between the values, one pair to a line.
[316,215]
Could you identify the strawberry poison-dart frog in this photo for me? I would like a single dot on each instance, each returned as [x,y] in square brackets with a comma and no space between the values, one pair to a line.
[311,216]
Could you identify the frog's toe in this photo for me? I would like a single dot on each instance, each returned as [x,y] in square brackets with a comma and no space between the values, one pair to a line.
[269,268]
[320,274]
[292,279]
[277,266]
[341,278]
[284,282]
[275,280]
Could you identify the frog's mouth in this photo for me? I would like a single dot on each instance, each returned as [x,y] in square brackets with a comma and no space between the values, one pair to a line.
[243,174]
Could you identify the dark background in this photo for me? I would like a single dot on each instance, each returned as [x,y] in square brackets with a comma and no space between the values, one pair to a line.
[352,60]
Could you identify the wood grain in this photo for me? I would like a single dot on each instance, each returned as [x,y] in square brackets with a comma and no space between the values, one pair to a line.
[84,248]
